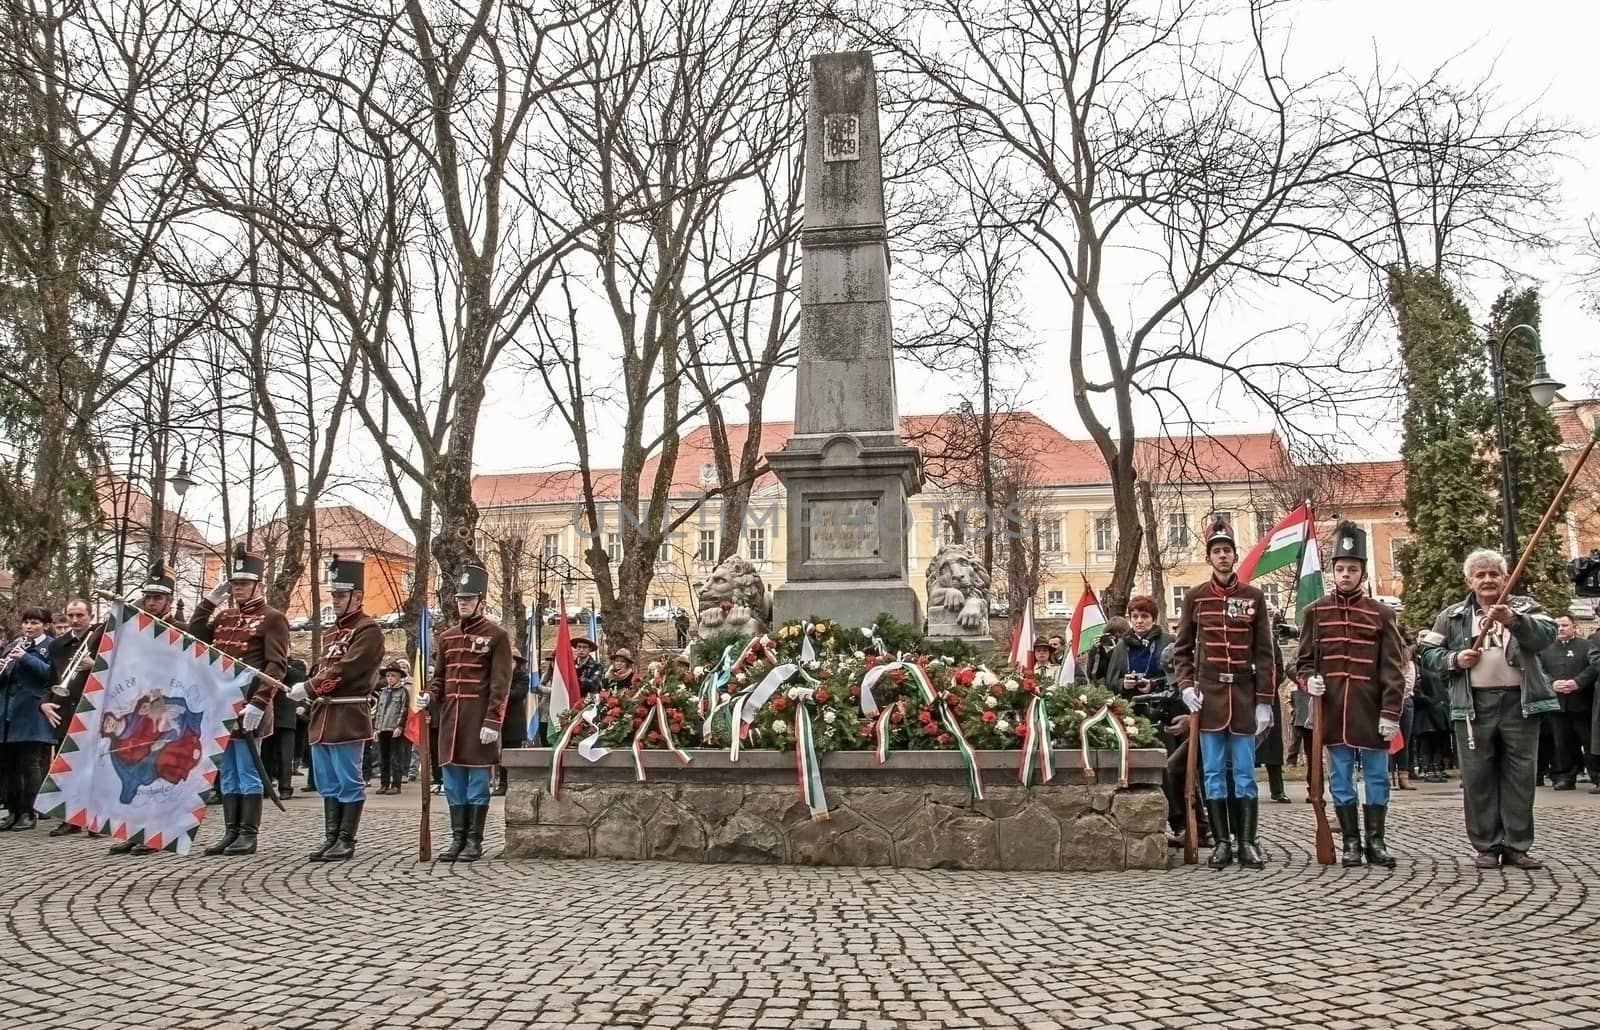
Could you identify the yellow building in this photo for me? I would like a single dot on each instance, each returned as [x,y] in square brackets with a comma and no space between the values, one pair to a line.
[1062,485]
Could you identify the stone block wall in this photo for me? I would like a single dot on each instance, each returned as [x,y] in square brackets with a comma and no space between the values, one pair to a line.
[913,812]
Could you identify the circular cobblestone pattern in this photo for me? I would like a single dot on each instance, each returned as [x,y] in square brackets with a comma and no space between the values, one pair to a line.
[96,940]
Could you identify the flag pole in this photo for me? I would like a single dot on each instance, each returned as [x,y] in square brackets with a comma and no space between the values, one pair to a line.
[424,751]
[1315,773]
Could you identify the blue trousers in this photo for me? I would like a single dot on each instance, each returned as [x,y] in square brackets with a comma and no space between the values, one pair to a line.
[337,768]
[238,773]
[1228,756]
[1342,761]
[466,785]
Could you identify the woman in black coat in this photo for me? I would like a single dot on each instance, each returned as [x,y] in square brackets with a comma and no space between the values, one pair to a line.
[1269,749]
[1430,726]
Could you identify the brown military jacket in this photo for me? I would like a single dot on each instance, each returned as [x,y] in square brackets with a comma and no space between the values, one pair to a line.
[1354,643]
[470,685]
[341,691]
[1224,647]
[256,635]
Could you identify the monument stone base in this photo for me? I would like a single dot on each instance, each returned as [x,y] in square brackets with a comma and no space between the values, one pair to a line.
[850,604]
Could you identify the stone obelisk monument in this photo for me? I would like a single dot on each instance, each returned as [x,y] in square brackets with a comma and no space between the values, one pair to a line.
[847,472]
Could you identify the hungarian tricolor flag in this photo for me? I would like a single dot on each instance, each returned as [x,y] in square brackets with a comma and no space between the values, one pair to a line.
[1292,543]
[1088,623]
[564,690]
[419,677]
[1022,640]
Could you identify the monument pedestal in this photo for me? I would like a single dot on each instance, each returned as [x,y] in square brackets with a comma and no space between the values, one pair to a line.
[850,603]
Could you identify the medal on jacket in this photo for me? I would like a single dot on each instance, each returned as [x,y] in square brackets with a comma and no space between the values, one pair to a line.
[480,645]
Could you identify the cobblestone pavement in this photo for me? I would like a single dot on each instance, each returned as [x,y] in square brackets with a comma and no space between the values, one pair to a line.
[95,940]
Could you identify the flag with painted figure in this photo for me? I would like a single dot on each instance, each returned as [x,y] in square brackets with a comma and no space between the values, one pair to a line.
[146,740]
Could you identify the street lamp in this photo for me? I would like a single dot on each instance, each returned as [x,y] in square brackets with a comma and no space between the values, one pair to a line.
[548,566]
[181,480]
[1542,389]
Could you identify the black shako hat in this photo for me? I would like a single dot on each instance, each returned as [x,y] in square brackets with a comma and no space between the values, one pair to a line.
[1219,532]
[473,581]
[1350,541]
[162,579]
[346,573]
[247,565]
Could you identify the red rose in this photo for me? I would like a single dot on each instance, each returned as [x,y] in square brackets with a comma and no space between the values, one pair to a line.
[966,676]
[997,690]
[989,717]
[944,740]
[855,693]
[1022,729]
[871,661]
[654,738]
[1118,711]
[897,675]
[780,703]
[822,697]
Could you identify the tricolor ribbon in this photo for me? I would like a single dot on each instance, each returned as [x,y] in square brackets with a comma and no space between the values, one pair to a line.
[808,651]
[807,768]
[748,703]
[712,683]
[931,698]
[882,727]
[587,749]
[657,715]
[1106,715]
[1036,752]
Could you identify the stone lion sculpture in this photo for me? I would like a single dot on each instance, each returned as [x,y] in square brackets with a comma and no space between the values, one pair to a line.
[733,598]
[958,593]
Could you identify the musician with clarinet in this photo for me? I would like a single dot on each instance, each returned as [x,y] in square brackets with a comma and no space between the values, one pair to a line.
[1486,649]
[257,635]
[26,738]
[71,656]
[1352,656]
[341,709]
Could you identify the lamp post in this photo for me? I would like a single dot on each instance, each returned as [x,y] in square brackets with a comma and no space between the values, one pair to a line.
[547,566]
[1542,389]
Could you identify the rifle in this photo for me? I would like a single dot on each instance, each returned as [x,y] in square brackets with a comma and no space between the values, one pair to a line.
[425,781]
[1191,818]
[1314,784]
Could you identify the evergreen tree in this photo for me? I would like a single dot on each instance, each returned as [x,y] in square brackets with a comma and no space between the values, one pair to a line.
[1448,415]
[1536,468]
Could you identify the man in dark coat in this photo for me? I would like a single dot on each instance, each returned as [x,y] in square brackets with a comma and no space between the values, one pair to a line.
[471,684]
[1573,675]
[1353,656]
[72,657]
[591,674]
[341,709]
[1223,662]
[26,735]
[256,634]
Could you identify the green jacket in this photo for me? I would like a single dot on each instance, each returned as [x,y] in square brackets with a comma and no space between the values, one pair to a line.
[1531,632]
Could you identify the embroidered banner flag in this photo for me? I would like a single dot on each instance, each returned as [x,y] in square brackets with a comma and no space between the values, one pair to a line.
[145,741]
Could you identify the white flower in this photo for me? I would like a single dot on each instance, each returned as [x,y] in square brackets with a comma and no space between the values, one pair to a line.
[829,715]
[1130,722]
[699,671]
[860,655]
[866,631]
[985,678]
[1083,699]
[1002,727]
[779,728]
[793,693]
[990,701]
[726,697]
[1013,685]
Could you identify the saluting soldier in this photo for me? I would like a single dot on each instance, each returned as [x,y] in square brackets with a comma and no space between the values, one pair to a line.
[1353,656]
[341,712]
[257,635]
[1223,661]
[467,701]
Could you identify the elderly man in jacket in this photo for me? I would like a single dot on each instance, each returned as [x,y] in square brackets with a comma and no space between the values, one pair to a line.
[1498,691]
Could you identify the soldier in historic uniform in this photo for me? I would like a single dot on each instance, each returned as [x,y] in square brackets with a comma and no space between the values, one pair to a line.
[1223,661]
[341,709]
[1352,655]
[257,635]
[470,685]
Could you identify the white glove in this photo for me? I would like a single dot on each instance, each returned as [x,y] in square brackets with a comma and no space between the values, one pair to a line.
[298,693]
[488,736]
[1192,699]
[219,593]
[1388,728]
[423,699]
[1316,686]
[1263,719]
[251,717]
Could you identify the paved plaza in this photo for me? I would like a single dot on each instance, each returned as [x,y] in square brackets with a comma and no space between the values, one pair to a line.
[98,941]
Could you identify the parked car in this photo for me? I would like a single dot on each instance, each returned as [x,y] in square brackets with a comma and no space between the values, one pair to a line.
[660,613]
[301,624]
[1000,607]
[1391,601]
[390,621]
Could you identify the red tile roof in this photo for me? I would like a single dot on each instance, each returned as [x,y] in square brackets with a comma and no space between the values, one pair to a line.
[1056,459]
[340,527]
[121,504]
[1356,484]
[1574,419]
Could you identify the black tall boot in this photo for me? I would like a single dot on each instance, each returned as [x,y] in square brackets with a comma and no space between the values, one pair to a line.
[1377,851]
[458,833]
[1275,784]
[330,828]
[1245,815]
[249,826]
[230,828]
[476,814]
[349,822]
[1350,834]
[1222,854]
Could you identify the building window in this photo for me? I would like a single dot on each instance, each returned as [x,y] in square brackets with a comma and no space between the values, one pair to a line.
[1105,534]
[756,541]
[1396,545]
[1177,600]
[1264,523]
[1178,530]
[1050,535]
[614,548]
[947,529]
[707,551]
[659,603]
[1274,595]
[551,545]
[1055,598]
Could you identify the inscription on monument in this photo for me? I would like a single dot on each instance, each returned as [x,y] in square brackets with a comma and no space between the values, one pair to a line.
[841,137]
[844,528]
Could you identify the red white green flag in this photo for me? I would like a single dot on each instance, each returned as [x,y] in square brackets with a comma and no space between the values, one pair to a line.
[1087,625]
[1280,548]
[145,741]
[1022,639]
